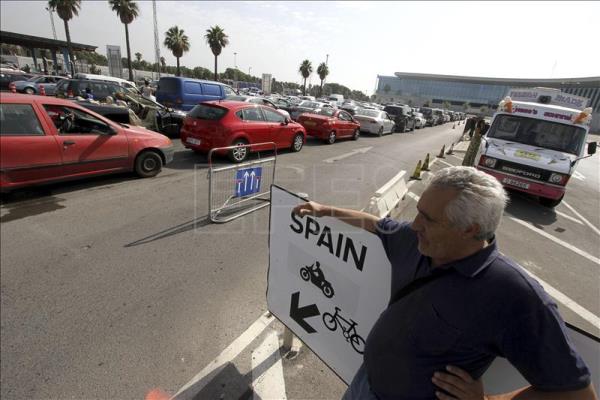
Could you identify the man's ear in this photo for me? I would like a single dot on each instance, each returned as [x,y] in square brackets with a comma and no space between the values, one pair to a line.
[472,231]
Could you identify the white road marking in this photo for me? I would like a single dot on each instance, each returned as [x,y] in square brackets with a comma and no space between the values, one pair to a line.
[413,196]
[574,249]
[568,217]
[585,221]
[457,157]
[446,163]
[227,355]
[352,153]
[567,301]
[578,175]
[267,370]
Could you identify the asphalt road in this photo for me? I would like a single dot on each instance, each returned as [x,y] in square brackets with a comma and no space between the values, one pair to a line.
[115,286]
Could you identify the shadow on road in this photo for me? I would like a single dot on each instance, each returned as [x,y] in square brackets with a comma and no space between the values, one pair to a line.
[526,208]
[177,229]
[227,382]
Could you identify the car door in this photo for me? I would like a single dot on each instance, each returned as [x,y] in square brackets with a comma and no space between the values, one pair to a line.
[345,123]
[29,152]
[281,134]
[89,144]
[255,126]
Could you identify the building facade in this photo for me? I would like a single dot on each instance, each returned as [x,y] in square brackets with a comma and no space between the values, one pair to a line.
[473,94]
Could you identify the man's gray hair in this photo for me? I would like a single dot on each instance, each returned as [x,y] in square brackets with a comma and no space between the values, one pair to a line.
[481,199]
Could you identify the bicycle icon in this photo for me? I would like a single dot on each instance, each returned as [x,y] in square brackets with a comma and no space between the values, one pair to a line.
[314,273]
[332,322]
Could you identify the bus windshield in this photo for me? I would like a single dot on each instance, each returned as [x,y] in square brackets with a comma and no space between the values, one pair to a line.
[539,133]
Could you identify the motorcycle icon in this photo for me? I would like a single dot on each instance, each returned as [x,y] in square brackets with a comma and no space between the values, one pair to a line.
[314,273]
[332,321]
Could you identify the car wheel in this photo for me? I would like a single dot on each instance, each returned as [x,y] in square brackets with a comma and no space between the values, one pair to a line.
[148,164]
[357,134]
[380,132]
[297,143]
[30,90]
[239,154]
[331,138]
[393,129]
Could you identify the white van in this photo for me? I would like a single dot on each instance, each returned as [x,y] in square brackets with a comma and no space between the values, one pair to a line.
[338,99]
[535,141]
[122,82]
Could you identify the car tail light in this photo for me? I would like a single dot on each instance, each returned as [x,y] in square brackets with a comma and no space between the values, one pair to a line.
[487,162]
[372,122]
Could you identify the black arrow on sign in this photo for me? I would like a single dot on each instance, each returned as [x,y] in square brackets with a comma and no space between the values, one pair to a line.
[300,314]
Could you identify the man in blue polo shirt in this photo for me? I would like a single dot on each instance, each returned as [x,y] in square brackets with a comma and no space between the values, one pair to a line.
[437,340]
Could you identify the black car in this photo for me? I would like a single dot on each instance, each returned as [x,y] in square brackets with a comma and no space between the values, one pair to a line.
[69,88]
[402,115]
[164,120]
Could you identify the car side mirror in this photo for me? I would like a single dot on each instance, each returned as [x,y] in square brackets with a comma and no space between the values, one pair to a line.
[592,147]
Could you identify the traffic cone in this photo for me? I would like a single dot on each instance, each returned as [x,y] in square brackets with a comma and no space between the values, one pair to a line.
[454,126]
[417,173]
[451,149]
[425,166]
[441,155]
[12,87]
[42,90]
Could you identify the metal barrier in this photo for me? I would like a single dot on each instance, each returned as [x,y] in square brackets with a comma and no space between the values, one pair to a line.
[237,190]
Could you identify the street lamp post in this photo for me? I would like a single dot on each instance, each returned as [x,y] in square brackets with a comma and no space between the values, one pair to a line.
[235,68]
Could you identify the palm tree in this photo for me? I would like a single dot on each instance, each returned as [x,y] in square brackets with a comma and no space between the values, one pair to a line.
[163,63]
[66,10]
[216,39]
[127,10]
[177,42]
[138,56]
[323,71]
[305,69]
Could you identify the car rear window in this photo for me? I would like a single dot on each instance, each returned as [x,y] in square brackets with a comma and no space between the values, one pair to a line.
[211,90]
[167,85]
[19,120]
[208,112]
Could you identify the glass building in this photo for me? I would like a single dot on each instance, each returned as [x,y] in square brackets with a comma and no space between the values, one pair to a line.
[473,94]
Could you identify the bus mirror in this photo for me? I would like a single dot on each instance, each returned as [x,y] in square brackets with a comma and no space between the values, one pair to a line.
[592,148]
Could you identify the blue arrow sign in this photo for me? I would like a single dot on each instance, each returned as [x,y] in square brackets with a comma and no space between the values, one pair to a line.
[247,181]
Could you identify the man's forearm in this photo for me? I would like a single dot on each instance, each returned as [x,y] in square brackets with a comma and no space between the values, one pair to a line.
[359,219]
[530,393]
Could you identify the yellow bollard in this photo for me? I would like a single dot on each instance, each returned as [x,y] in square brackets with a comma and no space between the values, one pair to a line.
[425,166]
[441,155]
[451,149]
[417,173]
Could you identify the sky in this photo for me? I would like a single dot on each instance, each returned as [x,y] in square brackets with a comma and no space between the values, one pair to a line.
[362,39]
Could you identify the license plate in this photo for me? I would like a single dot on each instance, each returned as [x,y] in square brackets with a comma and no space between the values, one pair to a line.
[310,123]
[193,141]
[516,183]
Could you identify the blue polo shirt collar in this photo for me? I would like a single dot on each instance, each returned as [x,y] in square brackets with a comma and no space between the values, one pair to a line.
[472,265]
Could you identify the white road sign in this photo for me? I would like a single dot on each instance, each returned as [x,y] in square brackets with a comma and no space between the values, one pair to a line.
[328,282]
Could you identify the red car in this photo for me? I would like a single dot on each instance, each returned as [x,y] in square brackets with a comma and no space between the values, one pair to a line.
[45,139]
[330,124]
[230,123]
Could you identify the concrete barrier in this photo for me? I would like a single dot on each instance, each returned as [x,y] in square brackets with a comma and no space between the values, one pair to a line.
[388,196]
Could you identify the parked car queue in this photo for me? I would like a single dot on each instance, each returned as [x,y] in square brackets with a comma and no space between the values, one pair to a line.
[92,144]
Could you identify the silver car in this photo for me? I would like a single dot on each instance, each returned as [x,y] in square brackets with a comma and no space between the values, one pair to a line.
[374,121]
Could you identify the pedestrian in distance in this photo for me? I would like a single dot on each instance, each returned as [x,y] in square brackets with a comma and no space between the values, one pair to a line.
[471,153]
[457,303]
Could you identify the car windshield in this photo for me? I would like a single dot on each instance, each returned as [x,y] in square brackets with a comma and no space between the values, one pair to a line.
[538,133]
[237,98]
[309,104]
[369,113]
[207,112]
[168,85]
[426,111]
[327,112]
